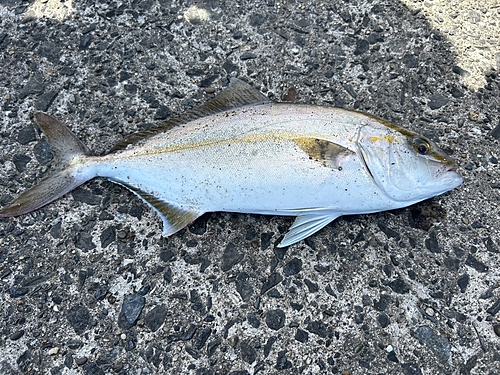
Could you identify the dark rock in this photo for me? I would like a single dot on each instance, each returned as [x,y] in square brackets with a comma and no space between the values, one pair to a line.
[24,360]
[282,363]
[84,242]
[293,267]
[267,348]
[399,286]
[462,282]
[26,135]
[80,361]
[490,245]
[243,287]
[74,344]
[494,308]
[438,344]
[437,101]
[301,335]
[382,303]
[274,293]
[476,264]
[350,90]
[495,133]
[108,236]
[199,226]
[248,56]
[155,317]
[68,71]
[167,275]
[247,352]
[78,317]
[383,320]
[16,292]
[230,67]
[21,161]
[411,369]
[32,87]
[85,196]
[362,46]
[17,335]
[131,309]
[432,244]
[207,81]
[280,252]
[130,88]
[273,280]
[85,42]
[253,320]
[257,19]
[410,61]
[275,319]
[265,240]
[42,152]
[212,346]
[388,231]
[162,113]
[318,328]
[202,338]
[230,257]
[68,360]
[45,100]
[167,255]
[496,329]
[391,356]
[189,334]
[312,287]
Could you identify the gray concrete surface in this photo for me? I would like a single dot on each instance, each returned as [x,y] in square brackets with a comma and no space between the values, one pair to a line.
[88,286]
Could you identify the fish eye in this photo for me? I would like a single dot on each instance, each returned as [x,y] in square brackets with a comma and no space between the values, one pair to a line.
[421,146]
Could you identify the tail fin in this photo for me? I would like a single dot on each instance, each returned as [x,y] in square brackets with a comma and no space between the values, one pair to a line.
[66,147]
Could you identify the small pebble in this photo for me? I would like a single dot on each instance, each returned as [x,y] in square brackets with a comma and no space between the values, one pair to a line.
[210,90]
[53,351]
[123,336]
[81,361]
[496,329]
[465,220]
[473,116]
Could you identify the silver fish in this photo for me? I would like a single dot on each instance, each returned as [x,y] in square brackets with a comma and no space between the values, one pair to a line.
[241,153]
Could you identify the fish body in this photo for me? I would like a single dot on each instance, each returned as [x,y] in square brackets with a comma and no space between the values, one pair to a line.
[241,153]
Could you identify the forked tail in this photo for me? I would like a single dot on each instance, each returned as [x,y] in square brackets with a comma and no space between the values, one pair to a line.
[69,153]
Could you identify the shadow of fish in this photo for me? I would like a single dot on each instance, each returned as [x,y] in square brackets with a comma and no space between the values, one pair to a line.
[241,153]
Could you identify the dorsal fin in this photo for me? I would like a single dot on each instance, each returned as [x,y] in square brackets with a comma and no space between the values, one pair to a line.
[237,94]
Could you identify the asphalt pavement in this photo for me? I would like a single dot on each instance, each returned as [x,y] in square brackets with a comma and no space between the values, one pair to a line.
[89,286]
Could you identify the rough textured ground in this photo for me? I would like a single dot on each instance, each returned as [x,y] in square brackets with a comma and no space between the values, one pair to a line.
[88,286]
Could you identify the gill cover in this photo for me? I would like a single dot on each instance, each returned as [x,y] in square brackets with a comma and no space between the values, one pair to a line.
[396,167]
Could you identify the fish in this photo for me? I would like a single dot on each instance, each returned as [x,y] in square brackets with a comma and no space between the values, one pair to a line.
[241,152]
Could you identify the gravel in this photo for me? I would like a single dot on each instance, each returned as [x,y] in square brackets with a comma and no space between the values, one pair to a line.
[88,284]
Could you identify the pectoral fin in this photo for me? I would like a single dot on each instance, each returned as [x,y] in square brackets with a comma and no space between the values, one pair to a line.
[174,218]
[328,153]
[306,225]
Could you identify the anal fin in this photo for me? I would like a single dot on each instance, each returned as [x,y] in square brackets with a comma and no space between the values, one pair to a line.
[174,218]
[306,225]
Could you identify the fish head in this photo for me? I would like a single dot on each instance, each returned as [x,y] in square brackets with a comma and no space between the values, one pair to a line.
[408,167]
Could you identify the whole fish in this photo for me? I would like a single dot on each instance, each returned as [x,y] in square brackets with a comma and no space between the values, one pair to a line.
[241,153]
